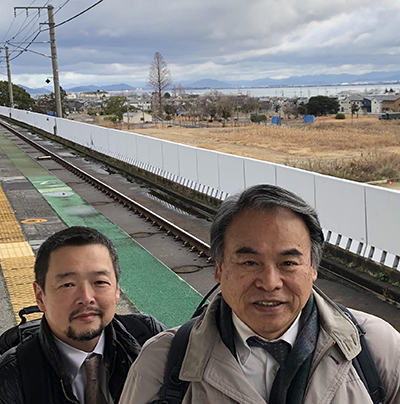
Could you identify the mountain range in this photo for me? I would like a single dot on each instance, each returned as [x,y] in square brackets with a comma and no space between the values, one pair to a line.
[314,80]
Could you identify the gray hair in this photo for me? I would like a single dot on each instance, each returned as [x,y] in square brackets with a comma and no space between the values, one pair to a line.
[263,198]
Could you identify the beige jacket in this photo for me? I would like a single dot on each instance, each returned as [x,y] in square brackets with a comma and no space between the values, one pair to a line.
[216,376]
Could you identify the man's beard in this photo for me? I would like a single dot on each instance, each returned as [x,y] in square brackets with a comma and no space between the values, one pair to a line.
[86,335]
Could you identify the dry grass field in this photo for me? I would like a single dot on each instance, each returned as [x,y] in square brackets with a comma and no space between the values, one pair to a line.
[362,149]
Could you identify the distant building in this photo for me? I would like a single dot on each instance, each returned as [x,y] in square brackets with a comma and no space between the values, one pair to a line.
[345,103]
[94,94]
[138,117]
[71,96]
[142,102]
[377,104]
[391,103]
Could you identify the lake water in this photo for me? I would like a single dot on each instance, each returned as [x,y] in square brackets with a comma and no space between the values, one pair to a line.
[302,91]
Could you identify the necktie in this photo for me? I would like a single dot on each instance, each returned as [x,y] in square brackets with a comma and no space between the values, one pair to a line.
[93,395]
[279,350]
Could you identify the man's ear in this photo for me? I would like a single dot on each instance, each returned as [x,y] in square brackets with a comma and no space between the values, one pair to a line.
[217,273]
[117,294]
[39,296]
[315,274]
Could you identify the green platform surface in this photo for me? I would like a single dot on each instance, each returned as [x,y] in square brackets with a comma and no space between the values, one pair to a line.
[151,286]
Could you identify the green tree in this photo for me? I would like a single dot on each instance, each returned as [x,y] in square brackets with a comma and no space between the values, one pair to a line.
[302,108]
[258,118]
[322,105]
[47,103]
[22,99]
[115,106]
[169,109]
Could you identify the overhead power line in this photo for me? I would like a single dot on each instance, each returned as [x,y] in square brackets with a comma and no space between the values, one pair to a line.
[75,16]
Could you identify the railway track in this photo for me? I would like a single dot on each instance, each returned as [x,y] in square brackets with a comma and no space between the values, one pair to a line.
[178,232]
[171,229]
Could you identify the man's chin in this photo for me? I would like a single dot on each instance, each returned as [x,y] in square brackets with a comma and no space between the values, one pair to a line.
[86,335]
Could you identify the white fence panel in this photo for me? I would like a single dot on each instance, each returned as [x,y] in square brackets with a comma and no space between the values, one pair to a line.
[298,181]
[231,173]
[47,124]
[99,137]
[27,117]
[383,218]
[207,165]
[188,162]
[155,153]
[70,130]
[171,157]
[113,139]
[86,139]
[341,206]
[143,149]
[258,172]
[124,144]
[131,146]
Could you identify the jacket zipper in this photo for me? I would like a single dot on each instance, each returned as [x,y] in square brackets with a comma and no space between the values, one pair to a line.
[322,356]
[65,394]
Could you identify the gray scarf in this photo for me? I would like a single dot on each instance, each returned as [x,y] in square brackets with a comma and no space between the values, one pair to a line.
[290,382]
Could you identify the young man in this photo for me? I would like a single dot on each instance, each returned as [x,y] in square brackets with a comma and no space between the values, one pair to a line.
[270,335]
[76,287]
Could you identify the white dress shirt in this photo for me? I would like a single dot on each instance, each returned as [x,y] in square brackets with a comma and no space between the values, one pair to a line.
[259,367]
[73,361]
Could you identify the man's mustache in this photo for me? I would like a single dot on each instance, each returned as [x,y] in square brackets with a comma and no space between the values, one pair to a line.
[92,310]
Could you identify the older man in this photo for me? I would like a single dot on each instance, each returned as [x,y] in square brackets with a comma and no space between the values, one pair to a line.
[269,336]
[83,350]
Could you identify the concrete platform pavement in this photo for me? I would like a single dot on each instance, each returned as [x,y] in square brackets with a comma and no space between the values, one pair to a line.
[33,205]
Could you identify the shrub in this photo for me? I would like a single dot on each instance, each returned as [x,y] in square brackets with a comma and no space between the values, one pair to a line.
[258,118]
[340,116]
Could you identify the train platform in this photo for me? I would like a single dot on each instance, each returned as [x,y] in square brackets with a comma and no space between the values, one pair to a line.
[35,204]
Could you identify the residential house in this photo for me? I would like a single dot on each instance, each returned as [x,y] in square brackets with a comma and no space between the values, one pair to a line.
[346,103]
[137,117]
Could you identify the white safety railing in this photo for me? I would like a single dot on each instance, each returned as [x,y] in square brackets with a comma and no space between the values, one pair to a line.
[361,218]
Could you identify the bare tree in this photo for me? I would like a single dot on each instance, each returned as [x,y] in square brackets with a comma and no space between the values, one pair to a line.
[159,79]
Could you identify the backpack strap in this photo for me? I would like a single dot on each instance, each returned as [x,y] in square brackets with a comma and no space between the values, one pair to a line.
[33,368]
[365,365]
[174,389]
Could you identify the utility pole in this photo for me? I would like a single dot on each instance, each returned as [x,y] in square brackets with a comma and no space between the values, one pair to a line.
[54,60]
[127,110]
[10,89]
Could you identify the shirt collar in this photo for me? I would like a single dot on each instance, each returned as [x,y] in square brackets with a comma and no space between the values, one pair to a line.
[243,332]
[74,358]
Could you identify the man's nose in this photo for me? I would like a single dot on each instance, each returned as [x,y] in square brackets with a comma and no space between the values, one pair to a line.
[269,278]
[85,294]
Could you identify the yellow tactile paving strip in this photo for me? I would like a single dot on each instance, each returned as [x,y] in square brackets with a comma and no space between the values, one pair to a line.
[16,259]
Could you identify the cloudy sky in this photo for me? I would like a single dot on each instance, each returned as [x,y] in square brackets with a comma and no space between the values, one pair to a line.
[228,40]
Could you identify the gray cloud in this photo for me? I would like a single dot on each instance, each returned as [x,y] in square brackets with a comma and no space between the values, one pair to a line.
[224,39]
